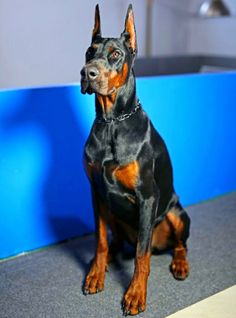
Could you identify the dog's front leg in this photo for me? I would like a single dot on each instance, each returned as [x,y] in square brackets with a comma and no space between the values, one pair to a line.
[94,281]
[134,300]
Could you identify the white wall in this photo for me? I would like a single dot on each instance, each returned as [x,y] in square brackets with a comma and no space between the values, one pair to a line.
[170,27]
[213,36]
[42,42]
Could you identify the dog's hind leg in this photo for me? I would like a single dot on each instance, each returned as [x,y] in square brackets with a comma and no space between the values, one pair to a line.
[179,223]
[171,234]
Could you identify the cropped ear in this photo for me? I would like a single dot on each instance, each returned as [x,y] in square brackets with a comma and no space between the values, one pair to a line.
[97,24]
[129,31]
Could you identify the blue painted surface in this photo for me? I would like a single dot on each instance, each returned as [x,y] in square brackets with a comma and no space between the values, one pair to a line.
[44,193]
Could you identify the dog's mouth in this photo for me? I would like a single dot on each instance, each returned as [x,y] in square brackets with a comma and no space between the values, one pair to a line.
[94,79]
[90,87]
[86,87]
[98,86]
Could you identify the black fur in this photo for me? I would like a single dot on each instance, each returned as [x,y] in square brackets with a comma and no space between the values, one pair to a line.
[122,134]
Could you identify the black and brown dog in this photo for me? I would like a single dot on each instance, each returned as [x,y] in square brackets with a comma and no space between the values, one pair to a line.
[129,169]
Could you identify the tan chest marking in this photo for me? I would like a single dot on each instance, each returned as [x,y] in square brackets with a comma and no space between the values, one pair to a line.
[106,102]
[128,175]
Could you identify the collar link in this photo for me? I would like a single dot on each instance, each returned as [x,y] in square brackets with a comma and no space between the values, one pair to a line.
[101,120]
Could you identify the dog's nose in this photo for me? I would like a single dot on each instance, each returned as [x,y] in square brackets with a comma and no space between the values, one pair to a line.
[92,73]
[89,73]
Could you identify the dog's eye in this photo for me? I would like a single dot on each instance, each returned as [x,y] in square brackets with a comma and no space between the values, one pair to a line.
[116,54]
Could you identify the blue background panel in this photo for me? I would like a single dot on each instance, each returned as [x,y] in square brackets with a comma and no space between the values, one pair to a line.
[44,193]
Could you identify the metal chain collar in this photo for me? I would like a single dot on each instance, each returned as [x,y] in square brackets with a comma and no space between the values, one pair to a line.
[121,117]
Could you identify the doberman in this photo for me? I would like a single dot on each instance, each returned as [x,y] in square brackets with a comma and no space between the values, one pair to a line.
[129,169]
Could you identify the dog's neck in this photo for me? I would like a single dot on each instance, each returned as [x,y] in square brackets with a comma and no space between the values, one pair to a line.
[122,101]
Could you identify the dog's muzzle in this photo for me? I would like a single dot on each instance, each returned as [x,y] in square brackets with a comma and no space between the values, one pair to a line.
[88,74]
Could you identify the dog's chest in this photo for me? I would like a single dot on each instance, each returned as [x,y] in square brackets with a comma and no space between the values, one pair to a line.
[109,162]
[100,146]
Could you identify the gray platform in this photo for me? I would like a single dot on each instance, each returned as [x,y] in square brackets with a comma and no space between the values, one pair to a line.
[185,64]
[48,283]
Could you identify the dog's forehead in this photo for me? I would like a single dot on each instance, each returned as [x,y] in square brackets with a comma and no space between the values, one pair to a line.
[108,44]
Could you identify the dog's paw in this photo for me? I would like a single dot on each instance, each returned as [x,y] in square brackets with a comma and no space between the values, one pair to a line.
[134,301]
[179,268]
[94,282]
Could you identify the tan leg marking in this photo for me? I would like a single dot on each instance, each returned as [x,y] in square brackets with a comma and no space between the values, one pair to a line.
[179,265]
[135,297]
[95,279]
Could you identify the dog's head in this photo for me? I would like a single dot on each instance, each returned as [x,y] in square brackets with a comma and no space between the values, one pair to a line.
[109,60]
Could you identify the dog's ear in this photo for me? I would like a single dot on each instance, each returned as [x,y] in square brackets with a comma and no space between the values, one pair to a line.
[97,24]
[129,31]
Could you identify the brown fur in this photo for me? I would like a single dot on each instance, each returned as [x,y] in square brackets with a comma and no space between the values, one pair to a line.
[96,276]
[128,175]
[116,80]
[135,297]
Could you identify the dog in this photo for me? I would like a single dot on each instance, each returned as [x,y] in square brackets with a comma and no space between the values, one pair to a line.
[129,169]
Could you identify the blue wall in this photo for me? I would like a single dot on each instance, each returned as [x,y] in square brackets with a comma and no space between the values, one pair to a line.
[44,194]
